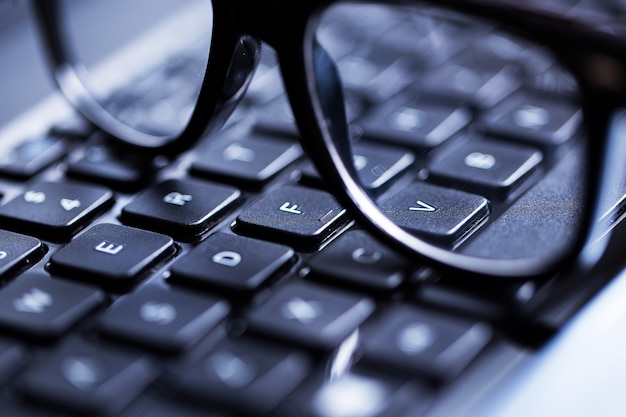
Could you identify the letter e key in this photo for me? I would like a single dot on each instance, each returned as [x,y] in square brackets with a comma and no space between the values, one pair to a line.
[109,248]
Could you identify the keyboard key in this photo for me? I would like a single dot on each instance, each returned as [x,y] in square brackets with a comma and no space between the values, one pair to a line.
[441,214]
[379,72]
[377,166]
[32,156]
[170,406]
[461,301]
[330,400]
[487,167]
[364,394]
[110,254]
[159,103]
[86,379]
[554,80]
[297,216]
[163,319]
[231,262]
[543,120]
[42,307]
[276,117]
[20,409]
[120,170]
[54,210]
[419,124]
[247,162]
[12,357]
[18,251]
[472,79]
[179,208]
[72,126]
[249,376]
[310,315]
[357,259]
[420,342]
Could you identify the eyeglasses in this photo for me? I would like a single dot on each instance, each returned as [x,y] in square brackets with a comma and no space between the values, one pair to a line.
[501,116]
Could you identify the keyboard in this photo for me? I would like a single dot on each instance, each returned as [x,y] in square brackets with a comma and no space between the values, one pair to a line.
[229,282]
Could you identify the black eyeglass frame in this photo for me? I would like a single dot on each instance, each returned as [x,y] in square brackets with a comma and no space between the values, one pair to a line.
[313,86]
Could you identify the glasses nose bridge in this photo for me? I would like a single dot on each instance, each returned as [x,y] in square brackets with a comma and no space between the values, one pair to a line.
[268,20]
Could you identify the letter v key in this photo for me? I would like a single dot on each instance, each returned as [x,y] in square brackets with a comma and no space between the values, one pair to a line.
[421,206]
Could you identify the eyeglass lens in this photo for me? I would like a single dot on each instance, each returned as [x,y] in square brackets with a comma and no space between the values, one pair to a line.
[463,134]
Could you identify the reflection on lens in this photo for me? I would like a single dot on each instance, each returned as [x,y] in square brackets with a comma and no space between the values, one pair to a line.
[110,40]
[495,163]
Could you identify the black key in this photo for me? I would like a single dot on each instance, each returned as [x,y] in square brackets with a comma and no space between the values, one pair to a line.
[17,251]
[421,342]
[473,80]
[168,407]
[377,166]
[248,162]
[87,379]
[488,167]
[461,301]
[120,170]
[276,117]
[358,259]
[20,409]
[159,104]
[249,376]
[54,211]
[231,262]
[554,80]
[12,357]
[543,120]
[427,44]
[421,124]
[365,393]
[378,73]
[163,319]
[111,254]
[310,315]
[182,209]
[441,214]
[297,216]
[32,156]
[72,126]
[42,307]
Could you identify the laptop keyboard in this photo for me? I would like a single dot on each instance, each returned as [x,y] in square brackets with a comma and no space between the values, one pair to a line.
[230,282]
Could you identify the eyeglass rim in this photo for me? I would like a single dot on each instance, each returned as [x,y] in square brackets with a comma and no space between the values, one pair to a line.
[311,115]
[212,106]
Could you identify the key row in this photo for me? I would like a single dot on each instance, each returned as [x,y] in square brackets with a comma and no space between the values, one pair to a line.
[298,216]
[283,332]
